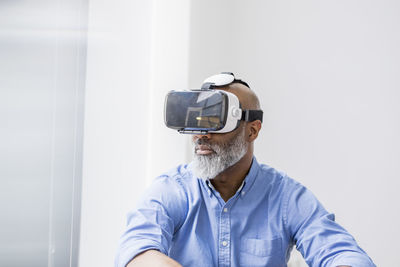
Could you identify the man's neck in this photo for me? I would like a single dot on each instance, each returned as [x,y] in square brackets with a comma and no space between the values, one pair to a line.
[229,181]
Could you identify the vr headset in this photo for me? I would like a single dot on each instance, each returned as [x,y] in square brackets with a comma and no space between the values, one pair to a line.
[207,110]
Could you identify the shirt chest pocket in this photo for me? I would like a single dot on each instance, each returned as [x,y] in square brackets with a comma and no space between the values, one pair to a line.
[261,252]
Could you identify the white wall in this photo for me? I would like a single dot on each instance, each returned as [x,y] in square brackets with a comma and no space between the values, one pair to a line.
[169,70]
[132,62]
[115,139]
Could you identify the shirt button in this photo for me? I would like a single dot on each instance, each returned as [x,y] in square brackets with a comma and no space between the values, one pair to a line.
[224,243]
[243,193]
[225,209]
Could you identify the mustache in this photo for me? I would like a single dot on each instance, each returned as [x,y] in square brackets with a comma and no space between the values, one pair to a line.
[204,144]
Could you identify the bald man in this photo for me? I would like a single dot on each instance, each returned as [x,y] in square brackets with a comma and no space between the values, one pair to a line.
[226,209]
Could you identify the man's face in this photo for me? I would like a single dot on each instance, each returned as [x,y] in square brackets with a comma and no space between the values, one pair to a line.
[214,153]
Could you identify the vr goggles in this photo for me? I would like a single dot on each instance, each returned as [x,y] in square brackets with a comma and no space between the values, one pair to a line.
[207,110]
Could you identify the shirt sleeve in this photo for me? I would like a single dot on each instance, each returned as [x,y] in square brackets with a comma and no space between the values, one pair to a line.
[320,240]
[152,224]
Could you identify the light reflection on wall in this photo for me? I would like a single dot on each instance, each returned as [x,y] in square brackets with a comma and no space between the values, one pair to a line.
[42,66]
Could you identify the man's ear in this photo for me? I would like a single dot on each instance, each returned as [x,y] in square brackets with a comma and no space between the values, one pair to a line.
[253,128]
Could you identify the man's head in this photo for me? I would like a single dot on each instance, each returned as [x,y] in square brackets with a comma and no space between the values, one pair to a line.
[216,152]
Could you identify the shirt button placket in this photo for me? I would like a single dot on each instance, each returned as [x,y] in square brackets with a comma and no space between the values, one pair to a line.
[225,237]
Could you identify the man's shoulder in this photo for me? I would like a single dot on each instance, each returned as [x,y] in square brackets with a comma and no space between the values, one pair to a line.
[180,174]
[277,178]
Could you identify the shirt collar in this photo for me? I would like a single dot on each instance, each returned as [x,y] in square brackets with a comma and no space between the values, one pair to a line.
[250,178]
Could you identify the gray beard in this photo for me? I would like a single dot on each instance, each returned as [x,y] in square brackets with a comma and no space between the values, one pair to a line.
[225,156]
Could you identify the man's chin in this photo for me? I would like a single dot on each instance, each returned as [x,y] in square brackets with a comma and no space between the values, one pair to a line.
[205,156]
[205,166]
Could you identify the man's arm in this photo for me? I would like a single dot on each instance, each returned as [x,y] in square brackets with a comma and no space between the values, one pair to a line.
[151,225]
[318,237]
[153,258]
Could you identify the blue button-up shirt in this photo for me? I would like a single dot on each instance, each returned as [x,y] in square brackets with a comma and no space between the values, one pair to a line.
[185,218]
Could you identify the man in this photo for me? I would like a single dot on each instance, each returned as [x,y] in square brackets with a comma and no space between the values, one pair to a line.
[226,209]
